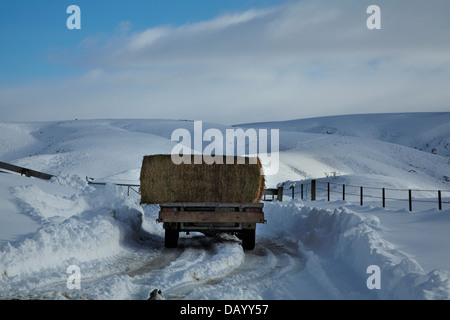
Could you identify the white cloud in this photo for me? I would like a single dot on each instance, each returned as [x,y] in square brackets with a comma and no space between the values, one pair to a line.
[147,38]
[305,58]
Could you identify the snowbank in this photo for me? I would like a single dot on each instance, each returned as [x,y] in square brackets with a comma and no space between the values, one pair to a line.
[87,226]
[344,236]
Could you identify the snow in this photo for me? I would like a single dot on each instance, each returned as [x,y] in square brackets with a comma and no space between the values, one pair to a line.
[307,249]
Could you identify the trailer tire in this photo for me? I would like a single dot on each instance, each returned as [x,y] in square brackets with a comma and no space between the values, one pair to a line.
[248,237]
[171,238]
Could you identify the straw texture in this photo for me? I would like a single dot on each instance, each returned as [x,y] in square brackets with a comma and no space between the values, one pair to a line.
[163,181]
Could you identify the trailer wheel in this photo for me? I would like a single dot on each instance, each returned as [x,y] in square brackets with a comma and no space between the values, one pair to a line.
[248,237]
[171,238]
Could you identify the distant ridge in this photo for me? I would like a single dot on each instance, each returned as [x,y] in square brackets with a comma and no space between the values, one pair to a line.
[427,131]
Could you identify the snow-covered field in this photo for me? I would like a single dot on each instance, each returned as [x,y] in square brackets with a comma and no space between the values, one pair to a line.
[307,250]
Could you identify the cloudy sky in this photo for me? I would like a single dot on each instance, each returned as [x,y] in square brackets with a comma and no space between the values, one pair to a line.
[224,61]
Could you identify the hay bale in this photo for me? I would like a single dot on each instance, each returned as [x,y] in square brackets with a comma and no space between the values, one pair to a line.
[163,181]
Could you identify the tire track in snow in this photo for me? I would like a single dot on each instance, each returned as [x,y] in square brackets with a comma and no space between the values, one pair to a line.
[198,260]
[263,273]
[201,268]
[218,268]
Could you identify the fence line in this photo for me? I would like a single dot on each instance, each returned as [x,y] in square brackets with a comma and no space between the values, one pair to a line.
[129,186]
[330,188]
[315,186]
[25,171]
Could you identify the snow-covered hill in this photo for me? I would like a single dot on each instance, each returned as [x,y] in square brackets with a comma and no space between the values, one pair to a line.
[423,131]
[307,250]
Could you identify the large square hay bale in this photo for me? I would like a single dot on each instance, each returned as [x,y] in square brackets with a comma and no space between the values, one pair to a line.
[164,181]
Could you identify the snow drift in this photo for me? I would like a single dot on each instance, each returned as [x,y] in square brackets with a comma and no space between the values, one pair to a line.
[342,236]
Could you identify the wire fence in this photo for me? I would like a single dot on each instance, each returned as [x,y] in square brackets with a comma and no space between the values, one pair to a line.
[132,189]
[330,191]
[392,197]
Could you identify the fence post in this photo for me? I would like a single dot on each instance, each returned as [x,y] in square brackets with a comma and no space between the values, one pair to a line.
[410,200]
[439,200]
[384,198]
[343,192]
[328,190]
[361,200]
[301,186]
[313,190]
[280,194]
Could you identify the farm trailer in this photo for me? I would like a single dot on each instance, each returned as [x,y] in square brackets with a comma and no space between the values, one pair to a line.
[211,218]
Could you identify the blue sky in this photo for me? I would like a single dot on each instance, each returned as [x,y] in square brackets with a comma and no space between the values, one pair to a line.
[32,31]
[224,61]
